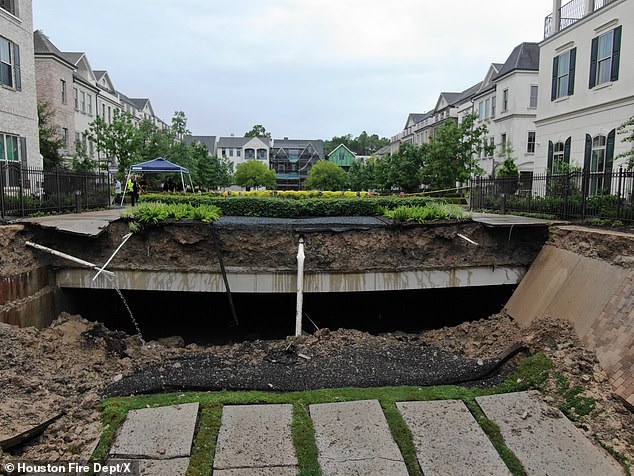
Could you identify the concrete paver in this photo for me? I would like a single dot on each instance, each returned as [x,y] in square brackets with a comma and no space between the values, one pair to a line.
[157,433]
[545,442]
[153,467]
[448,440]
[255,437]
[353,438]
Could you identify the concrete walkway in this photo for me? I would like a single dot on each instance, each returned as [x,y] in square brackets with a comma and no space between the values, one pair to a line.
[354,438]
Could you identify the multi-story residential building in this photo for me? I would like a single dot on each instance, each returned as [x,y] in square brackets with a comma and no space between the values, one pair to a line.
[242,149]
[19,130]
[77,95]
[343,157]
[54,81]
[507,104]
[292,159]
[586,87]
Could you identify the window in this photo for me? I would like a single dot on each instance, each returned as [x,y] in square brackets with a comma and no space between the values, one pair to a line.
[10,6]
[505,100]
[530,143]
[238,152]
[487,108]
[597,164]
[493,107]
[76,98]
[558,157]
[109,114]
[89,105]
[103,111]
[604,58]
[230,152]
[533,98]
[10,64]
[82,101]
[9,148]
[62,85]
[503,143]
[563,80]
[481,110]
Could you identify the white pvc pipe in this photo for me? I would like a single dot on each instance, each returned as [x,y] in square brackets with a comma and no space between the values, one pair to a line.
[300,287]
[103,268]
[68,257]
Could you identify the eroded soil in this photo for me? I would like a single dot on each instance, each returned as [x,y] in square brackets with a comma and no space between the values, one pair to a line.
[65,368]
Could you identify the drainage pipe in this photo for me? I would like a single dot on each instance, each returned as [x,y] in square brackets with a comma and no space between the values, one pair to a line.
[300,287]
[68,257]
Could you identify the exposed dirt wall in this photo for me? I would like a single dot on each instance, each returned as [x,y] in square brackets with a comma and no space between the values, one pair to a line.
[191,247]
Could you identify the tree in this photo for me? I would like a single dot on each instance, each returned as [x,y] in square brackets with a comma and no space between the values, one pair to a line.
[451,156]
[119,138]
[258,130]
[364,144]
[325,175]
[357,176]
[405,166]
[254,174]
[50,139]
[214,172]
[82,162]
[627,129]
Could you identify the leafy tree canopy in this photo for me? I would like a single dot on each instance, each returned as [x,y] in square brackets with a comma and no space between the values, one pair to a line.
[627,130]
[325,175]
[258,130]
[254,174]
[364,144]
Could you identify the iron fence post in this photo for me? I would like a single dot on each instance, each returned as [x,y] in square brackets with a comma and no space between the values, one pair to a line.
[59,192]
[619,191]
[21,190]
[1,190]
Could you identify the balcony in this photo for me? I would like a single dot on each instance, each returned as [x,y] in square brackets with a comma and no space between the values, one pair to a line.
[570,13]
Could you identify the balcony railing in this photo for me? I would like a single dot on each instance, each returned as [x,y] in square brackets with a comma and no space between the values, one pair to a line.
[571,13]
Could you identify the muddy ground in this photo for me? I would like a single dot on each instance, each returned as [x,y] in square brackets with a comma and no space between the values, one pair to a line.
[66,368]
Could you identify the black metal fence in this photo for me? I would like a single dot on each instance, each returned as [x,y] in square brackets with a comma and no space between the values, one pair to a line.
[26,191]
[570,196]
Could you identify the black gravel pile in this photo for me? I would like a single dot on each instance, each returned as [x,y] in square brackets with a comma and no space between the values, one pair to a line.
[282,366]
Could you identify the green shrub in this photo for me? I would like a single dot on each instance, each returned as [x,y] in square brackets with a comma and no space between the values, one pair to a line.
[431,211]
[154,212]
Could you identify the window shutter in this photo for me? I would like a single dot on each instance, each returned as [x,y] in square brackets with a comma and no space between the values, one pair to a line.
[553,92]
[587,154]
[616,54]
[594,53]
[571,71]
[551,148]
[23,155]
[609,152]
[16,65]
[567,150]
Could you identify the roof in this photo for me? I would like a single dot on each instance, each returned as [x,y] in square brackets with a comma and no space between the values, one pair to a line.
[451,98]
[159,164]
[209,141]
[139,103]
[524,56]
[317,144]
[232,142]
[43,46]
[74,57]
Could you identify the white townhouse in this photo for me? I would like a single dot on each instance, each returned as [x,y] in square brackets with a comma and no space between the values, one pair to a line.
[242,149]
[507,104]
[19,130]
[586,87]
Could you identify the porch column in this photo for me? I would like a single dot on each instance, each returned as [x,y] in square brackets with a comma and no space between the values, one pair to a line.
[588,7]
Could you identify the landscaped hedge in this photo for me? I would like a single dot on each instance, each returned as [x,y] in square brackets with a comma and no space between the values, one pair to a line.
[284,208]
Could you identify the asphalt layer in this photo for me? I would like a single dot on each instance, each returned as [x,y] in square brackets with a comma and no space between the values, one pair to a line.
[264,365]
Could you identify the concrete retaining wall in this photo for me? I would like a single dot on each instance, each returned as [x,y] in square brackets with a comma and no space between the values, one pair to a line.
[595,295]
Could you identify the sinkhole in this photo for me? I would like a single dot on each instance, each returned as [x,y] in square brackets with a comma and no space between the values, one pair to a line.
[206,318]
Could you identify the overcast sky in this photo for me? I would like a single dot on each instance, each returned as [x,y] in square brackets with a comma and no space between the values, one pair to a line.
[304,69]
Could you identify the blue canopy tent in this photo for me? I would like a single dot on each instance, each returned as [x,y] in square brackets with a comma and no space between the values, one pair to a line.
[158,165]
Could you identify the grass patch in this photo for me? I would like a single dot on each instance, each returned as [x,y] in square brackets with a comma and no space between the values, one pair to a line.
[532,373]
[429,212]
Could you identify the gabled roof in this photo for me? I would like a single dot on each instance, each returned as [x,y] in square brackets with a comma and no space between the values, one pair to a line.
[43,46]
[340,146]
[317,144]
[468,93]
[232,142]
[74,57]
[104,81]
[414,118]
[524,57]
[139,103]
